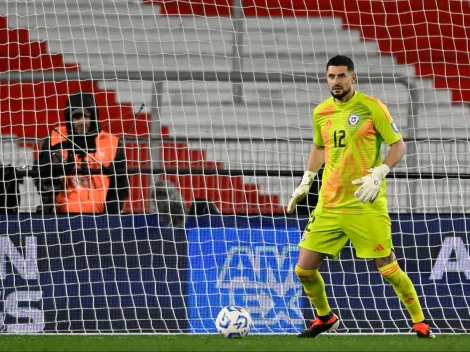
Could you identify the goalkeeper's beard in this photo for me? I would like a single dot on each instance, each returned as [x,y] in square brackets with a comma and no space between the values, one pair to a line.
[341,95]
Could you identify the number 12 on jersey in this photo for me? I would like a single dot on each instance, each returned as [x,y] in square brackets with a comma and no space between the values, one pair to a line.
[339,138]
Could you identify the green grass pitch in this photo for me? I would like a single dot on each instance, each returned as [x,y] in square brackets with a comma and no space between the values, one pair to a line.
[218,343]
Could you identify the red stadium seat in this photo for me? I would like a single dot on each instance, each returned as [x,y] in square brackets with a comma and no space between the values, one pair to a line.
[431,35]
[31,109]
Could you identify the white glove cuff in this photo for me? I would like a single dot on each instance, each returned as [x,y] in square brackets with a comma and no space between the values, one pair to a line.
[308,177]
[382,170]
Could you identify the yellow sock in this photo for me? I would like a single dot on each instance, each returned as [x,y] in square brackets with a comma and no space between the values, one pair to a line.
[404,289]
[314,287]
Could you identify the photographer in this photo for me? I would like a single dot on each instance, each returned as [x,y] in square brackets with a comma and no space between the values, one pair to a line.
[65,184]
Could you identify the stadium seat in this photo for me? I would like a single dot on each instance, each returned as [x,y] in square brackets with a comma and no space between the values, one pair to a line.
[272,42]
[286,35]
[31,107]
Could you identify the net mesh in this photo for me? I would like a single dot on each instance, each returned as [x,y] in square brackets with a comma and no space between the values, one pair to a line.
[410,54]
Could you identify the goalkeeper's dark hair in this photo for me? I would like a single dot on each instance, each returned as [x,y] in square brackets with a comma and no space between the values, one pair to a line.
[341,60]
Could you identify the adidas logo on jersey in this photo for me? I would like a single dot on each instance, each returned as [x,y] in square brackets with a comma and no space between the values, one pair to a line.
[379,248]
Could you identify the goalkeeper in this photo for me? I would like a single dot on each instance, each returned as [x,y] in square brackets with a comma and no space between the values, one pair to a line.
[348,131]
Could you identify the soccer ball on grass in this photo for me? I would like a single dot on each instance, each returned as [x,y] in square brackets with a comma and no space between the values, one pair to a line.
[233,322]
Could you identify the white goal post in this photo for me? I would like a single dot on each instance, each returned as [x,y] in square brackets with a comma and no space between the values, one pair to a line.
[228,89]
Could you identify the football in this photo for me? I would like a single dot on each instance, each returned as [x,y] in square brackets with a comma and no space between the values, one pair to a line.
[233,322]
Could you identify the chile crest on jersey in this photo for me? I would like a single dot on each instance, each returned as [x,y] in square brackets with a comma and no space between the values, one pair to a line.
[353,119]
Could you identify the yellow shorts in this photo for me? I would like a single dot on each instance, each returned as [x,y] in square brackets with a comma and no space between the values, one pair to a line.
[328,233]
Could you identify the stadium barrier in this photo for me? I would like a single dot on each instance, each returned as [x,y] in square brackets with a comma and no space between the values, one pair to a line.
[91,274]
[127,274]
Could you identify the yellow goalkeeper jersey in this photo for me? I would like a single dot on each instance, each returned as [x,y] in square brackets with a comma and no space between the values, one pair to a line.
[352,134]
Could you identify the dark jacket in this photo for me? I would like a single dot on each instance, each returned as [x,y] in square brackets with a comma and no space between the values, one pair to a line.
[52,166]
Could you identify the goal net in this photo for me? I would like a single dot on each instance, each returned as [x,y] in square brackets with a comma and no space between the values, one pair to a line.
[227,89]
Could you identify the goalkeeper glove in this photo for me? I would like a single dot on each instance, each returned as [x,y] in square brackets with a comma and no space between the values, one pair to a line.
[371,184]
[301,191]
